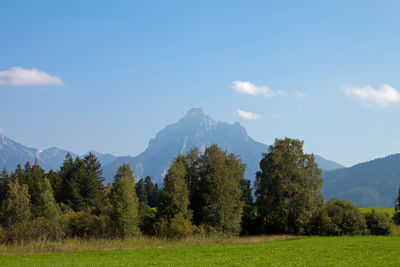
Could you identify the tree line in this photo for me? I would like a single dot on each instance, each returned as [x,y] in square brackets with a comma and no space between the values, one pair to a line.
[203,194]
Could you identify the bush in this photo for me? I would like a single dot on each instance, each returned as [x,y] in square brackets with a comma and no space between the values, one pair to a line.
[180,227]
[337,217]
[85,225]
[147,217]
[396,218]
[378,223]
[177,227]
[38,229]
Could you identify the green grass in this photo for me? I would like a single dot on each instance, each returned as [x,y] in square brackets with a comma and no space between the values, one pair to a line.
[387,210]
[314,251]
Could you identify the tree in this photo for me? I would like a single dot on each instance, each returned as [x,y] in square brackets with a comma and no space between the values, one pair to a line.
[124,214]
[91,187]
[141,191]
[396,216]
[221,194]
[152,192]
[47,206]
[81,186]
[174,197]
[248,208]
[288,187]
[4,179]
[16,208]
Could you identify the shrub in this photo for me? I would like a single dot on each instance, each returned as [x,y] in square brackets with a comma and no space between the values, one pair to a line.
[337,217]
[37,229]
[180,227]
[378,223]
[177,227]
[85,225]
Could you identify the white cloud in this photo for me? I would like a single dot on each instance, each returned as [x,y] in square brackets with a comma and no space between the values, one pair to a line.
[18,76]
[248,115]
[382,97]
[251,89]
[300,94]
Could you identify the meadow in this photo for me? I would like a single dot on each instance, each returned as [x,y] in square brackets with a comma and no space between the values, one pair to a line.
[302,251]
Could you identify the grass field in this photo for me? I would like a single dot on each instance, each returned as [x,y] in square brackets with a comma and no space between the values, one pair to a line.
[387,210]
[312,251]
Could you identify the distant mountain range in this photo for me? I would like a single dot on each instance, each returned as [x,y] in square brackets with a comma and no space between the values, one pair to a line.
[366,184]
[370,184]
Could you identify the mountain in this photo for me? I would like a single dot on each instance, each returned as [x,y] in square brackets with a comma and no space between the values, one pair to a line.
[13,153]
[370,184]
[327,165]
[196,129]
[53,158]
[104,159]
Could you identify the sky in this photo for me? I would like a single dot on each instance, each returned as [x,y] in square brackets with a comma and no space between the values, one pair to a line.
[108,75]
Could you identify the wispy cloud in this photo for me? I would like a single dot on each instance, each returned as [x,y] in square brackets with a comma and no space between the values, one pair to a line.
[300,94]
[251,89]
[248,115]
[382,97]
[18,76]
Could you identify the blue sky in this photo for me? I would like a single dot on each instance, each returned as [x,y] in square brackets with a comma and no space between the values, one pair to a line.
[108,75]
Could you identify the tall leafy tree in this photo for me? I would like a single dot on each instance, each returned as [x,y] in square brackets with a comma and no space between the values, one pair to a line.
[124,214]
[288,187]
[174,197]
[47,206]
[220,188]
[17,206]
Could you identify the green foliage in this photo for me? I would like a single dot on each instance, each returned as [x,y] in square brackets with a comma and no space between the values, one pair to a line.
[37,229]
[174,197]
[147,218]
[141,191]
[81,185]
[84,225]
[47,206]
[152,192]
[338,217]
[124,214]
[221,194]
[288,187]
[17,206]
[378,223]
[396,216]
[4,179]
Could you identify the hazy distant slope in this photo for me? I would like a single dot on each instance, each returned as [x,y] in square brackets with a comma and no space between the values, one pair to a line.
[370,184]
[196,129]
[13,153]
[327,165]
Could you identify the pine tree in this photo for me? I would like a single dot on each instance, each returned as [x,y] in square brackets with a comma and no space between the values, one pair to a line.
[141,191]
[124,214]
[91,187]
[288,187]
[4,179]
[150,191]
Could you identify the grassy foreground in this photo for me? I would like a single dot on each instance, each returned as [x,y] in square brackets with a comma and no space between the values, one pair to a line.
[314,251]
